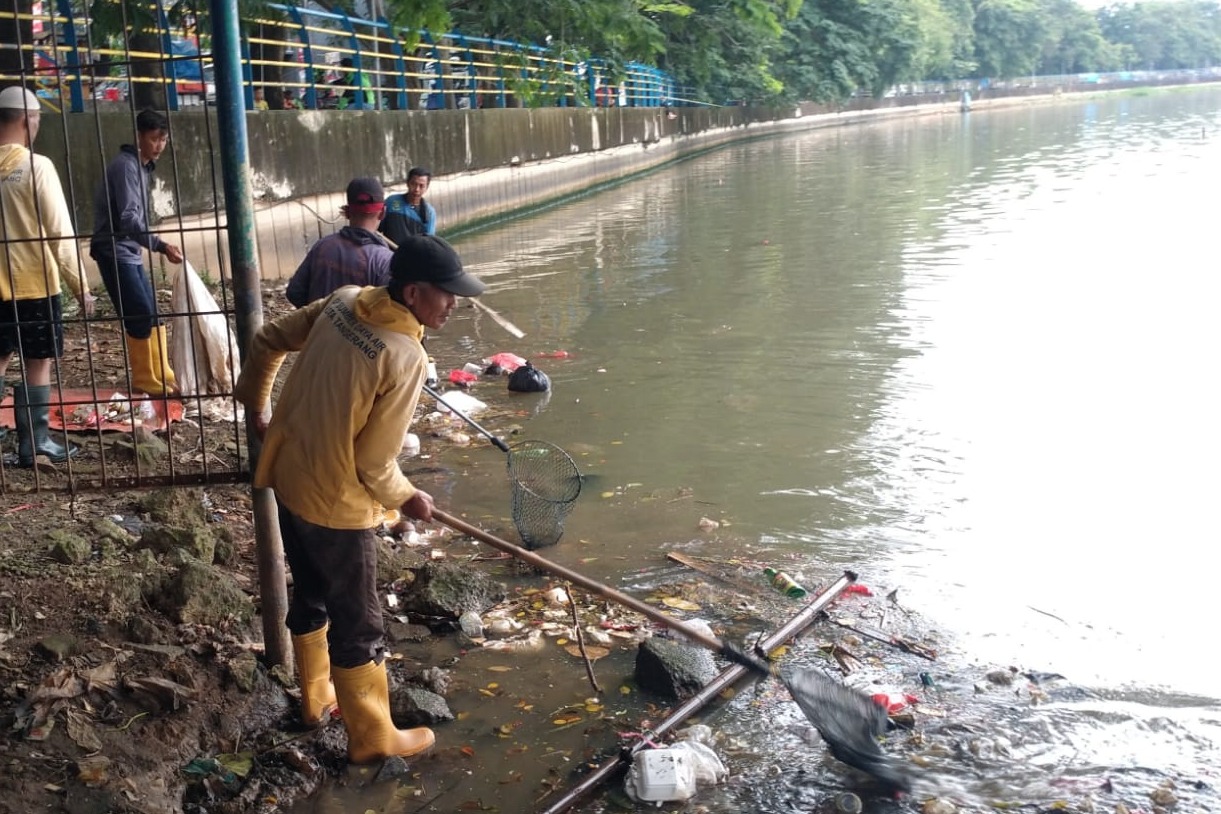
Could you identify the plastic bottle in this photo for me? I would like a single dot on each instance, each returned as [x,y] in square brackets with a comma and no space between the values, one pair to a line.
[785,584]
[430,378]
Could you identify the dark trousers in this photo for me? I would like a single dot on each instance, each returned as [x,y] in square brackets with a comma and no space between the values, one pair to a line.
[131,292]
[334,578]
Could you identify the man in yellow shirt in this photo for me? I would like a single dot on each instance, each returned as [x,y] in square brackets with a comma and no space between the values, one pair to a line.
[330,454]
[38,248]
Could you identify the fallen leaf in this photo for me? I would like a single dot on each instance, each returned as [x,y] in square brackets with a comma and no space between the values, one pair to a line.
[240,763]
[500,668]
[678,603]
[81,731]
[592,651]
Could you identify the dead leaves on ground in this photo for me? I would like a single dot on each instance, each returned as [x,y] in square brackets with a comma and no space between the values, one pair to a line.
[80,693]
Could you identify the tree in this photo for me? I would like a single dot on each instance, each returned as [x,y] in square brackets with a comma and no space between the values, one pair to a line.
[725,50]
[1009,36]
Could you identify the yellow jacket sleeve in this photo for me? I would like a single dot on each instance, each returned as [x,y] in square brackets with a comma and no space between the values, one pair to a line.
[384,430]
[274,341]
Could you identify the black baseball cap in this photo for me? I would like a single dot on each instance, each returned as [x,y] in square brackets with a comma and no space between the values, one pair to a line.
[429,259]
[366,195]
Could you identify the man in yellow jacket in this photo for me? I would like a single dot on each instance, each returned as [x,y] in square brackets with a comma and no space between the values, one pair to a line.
[37,250]
[330,454]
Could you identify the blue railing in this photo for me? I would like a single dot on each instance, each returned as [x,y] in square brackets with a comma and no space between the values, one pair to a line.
[314,59]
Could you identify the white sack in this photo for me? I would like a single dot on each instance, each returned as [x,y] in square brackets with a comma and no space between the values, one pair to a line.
[203,351]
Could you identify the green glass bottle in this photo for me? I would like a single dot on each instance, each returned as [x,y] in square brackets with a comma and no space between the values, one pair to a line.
[785,584]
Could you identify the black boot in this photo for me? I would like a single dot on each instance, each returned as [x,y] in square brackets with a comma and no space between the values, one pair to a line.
[32,410]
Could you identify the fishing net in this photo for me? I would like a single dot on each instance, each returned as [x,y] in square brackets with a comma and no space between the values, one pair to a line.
[546,483]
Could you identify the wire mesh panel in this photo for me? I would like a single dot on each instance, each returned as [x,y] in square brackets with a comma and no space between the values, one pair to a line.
[546,484]
[117,313]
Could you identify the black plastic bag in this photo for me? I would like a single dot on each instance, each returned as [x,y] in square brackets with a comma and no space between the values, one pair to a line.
[529,379]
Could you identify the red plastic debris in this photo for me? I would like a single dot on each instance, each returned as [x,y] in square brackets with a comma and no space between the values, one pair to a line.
[893,702]
[858,588]
[508,362]
[462,378]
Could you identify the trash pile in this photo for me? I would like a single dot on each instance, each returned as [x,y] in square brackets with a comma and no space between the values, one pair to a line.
[523,376]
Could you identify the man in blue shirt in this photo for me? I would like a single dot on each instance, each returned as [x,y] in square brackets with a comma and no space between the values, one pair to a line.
[408,213]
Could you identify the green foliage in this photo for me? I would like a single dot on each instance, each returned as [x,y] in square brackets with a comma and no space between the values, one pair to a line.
[759,51]
[1009,36]
[1164,35]
[541,86]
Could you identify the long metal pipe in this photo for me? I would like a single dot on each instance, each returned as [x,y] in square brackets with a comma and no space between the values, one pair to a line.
[248,304]
[729,676]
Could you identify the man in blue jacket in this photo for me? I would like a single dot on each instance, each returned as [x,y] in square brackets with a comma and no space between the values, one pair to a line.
[120,239]
[409,214]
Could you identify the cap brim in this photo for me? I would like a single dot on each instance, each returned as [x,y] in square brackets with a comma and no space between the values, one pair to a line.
[464,285]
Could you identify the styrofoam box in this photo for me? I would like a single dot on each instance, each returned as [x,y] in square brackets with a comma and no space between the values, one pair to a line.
[665,775]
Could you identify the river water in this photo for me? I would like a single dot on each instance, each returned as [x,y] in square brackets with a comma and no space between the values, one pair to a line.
[965,355]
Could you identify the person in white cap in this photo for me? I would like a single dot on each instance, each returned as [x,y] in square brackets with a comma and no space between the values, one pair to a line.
[37,251]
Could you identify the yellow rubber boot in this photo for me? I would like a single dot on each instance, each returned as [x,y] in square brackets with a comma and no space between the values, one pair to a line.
[364,701]
[314,675]
[151,374]
[144,378]
[150,364]
[160,360]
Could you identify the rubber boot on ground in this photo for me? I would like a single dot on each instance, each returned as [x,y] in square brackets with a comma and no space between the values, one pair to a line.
[314,675]
[32,414]
[150,364]
[159,358]
[151,373]
[364,702]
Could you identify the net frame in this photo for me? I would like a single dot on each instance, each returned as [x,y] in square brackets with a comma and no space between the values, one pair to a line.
[546,484]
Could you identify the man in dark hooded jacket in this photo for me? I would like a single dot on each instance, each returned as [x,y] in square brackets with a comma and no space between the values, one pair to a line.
[355,255]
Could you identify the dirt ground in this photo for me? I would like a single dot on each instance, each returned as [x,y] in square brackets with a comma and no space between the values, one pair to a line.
[111,699]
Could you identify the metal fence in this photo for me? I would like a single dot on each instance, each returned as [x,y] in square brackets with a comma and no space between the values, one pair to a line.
[296,57]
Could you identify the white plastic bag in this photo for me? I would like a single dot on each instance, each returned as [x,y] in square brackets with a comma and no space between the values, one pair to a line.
[462,402]
[203,350]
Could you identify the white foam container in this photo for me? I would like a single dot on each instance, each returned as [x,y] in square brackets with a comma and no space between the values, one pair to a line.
[664,775]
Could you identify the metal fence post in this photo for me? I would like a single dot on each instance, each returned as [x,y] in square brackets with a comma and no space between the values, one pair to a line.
[76,95]
[248,304]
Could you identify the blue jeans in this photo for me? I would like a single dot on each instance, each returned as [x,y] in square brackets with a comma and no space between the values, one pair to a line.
[131,292]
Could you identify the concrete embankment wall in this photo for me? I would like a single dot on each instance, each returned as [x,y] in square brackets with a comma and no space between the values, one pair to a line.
[487,164]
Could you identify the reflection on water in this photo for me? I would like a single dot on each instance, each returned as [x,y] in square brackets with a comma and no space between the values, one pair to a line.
[970,356]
